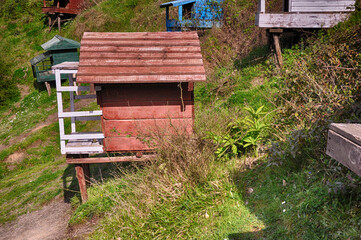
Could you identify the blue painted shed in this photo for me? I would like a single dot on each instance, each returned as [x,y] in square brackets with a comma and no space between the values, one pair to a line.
[194,14]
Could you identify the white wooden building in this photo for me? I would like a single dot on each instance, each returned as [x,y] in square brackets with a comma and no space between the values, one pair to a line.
[305,14]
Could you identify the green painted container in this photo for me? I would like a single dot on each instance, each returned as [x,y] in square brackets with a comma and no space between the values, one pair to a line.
[58,50]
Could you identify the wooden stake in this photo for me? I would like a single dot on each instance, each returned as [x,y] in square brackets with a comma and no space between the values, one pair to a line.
[276,42]
[48,88]
[82,173]
[49,19]
[59,23]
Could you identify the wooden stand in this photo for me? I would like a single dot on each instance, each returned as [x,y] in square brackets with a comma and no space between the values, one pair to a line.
[82,167]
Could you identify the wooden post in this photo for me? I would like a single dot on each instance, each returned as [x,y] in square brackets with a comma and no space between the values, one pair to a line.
[59,23]
[92,88]
[180,13]
[276,42]
[82,173]
[261,6]
[49,20]
[48,88]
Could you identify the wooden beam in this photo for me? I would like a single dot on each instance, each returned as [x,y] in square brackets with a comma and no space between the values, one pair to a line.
[88,160]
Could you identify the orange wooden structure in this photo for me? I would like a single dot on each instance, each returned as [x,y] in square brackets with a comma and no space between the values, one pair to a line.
[146,82]
[144,86]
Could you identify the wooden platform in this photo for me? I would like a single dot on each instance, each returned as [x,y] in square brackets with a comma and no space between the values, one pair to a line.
[344,145]
[305,14]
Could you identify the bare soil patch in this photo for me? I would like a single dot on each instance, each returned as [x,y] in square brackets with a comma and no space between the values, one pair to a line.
[50,222]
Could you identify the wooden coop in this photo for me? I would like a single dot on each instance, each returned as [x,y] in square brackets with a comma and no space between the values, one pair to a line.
[344,145]
[58,50]
[302,14]
[144,87]
[57,9]
[193,14]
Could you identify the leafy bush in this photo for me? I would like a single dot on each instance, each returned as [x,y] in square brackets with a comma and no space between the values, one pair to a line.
[242,135]
[321,84]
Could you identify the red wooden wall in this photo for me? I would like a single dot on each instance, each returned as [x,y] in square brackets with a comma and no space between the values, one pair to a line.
[132,113]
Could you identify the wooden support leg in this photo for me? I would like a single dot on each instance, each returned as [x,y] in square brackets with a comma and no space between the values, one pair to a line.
[49,19]
[92,88]
[48,88]
[82,173]
[276,42]
[59,24]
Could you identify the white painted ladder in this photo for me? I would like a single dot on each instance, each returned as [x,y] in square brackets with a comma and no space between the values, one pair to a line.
[76,142]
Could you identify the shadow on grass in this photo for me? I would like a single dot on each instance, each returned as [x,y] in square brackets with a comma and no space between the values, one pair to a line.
[98,173]
[246,235]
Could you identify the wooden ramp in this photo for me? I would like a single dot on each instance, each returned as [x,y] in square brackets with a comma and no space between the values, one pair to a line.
[344,145]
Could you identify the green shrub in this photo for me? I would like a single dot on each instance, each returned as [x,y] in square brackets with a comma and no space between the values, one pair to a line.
[8,89]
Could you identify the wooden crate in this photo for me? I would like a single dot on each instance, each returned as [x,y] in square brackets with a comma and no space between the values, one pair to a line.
[344,145]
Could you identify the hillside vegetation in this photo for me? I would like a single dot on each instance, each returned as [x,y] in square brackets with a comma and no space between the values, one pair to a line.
[256,166]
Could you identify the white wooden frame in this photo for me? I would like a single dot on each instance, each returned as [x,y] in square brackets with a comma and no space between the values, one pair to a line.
[78,143]
[298,19]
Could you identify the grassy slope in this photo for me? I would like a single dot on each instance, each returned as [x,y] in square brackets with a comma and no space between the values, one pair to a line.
[187,193]
[23,30]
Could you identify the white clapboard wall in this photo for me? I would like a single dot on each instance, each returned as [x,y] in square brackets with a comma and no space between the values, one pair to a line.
[320,5]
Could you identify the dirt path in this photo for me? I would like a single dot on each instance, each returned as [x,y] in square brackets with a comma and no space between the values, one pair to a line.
[50,222]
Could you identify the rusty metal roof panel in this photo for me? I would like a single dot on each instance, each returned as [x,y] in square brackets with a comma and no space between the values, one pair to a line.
[140,57]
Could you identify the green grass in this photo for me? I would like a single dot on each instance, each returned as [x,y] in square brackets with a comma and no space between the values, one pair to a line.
[293,191]
[300,204]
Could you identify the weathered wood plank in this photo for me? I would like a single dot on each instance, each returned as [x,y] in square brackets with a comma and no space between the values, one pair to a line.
[137,55]
[299,20]
[123,128]
[321,6]
[66,66]
[344,151]
[126,144]
[148,112]
[141,78]
[140,35]
[110,159]
[139,49]
[351,131]
[139,43]
[100,62]
[139,70]
[80,113]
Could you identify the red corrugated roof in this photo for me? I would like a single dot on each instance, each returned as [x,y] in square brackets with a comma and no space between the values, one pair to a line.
[140,57]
